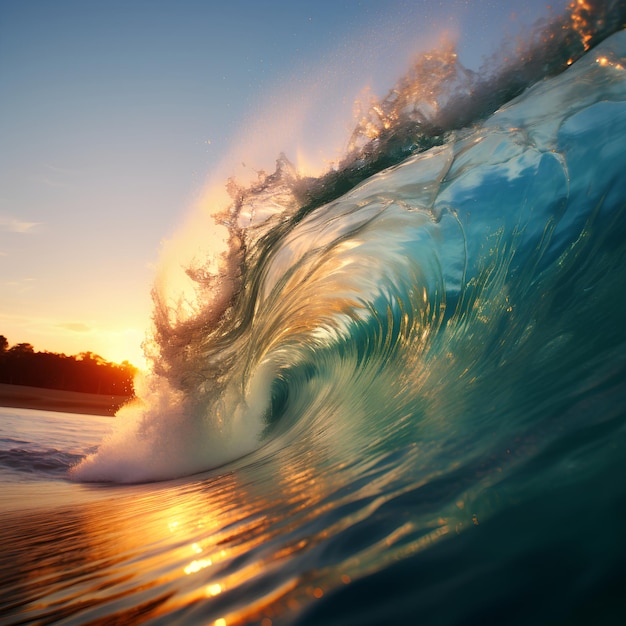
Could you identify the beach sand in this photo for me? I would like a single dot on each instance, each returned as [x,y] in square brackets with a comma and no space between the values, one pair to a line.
[23,397]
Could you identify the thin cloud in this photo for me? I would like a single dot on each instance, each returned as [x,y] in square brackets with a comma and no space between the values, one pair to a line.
[61,170]
[76,327]
[10,224]
[55,183]
[19,286]
[61,178]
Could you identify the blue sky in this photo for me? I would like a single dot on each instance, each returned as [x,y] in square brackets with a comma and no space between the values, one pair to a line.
[114,116]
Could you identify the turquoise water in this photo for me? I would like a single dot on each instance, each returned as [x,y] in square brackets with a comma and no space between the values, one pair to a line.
[411,407]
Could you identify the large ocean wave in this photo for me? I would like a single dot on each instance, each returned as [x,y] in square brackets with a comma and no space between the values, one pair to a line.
[452,284]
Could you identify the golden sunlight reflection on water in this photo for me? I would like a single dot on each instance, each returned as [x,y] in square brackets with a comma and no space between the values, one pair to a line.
[257,542]
[196,544]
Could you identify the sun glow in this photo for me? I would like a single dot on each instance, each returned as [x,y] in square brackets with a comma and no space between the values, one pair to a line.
[114,343]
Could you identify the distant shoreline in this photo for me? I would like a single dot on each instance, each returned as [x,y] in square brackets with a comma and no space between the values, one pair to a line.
[23,397]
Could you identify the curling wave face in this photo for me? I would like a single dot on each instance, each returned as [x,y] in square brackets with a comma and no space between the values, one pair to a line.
[450,276]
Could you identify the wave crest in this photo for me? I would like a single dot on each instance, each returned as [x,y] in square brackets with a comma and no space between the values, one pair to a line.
[347,278]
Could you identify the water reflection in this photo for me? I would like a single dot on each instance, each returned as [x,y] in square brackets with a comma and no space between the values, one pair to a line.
[272,535]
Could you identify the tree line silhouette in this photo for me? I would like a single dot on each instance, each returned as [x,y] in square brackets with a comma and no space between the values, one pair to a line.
[86,372]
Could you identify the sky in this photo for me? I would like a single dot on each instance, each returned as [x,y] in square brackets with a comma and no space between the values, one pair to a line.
[117,117]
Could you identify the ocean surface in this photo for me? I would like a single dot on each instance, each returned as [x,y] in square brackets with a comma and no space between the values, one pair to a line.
[399,399]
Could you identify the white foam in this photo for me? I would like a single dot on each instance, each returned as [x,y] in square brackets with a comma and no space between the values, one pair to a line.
[170,434]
